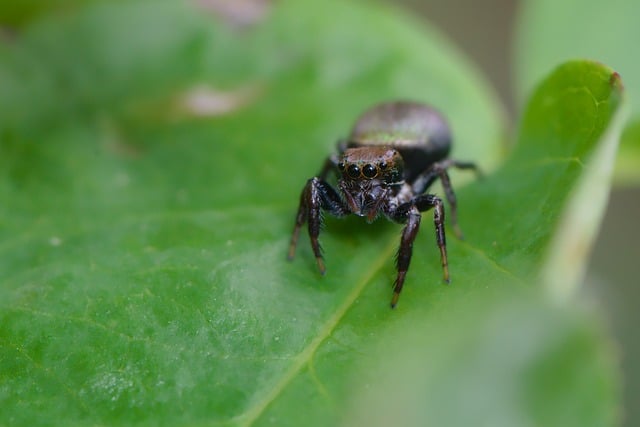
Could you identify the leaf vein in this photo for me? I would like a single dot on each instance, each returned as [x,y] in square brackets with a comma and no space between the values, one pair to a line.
[306,355]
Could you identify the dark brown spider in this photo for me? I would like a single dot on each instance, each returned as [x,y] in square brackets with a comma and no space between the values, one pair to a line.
[395,152]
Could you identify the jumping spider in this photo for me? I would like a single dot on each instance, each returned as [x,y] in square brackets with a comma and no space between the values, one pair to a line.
[396,150]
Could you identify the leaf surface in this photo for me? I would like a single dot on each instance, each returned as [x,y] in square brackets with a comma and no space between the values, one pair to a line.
[149,178]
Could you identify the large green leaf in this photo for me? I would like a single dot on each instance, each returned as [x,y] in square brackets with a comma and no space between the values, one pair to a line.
[143,236]
[551,32]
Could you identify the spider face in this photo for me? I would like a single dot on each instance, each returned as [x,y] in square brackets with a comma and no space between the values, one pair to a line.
[372,162]
[369,178]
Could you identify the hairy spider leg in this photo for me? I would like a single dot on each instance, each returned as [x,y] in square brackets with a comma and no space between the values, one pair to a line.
[439,170]
[409,213]
[316,196]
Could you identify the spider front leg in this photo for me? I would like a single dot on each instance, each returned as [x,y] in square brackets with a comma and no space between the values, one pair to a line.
[316,195]
[410,212]
[439,170]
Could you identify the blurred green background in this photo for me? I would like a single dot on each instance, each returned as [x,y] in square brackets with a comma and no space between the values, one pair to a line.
[486,34]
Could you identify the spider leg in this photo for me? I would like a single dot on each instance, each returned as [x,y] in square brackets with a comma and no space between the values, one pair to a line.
[317,195]
[410,213]
[439,170]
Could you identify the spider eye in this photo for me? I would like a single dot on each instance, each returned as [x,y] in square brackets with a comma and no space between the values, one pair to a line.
[369,171]
[341,166]
[382,165]
[353,171]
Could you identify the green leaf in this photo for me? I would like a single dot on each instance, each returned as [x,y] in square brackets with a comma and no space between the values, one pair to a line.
[551,32]
[149,175]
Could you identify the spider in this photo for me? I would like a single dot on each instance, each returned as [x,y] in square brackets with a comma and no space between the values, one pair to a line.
[395,151]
